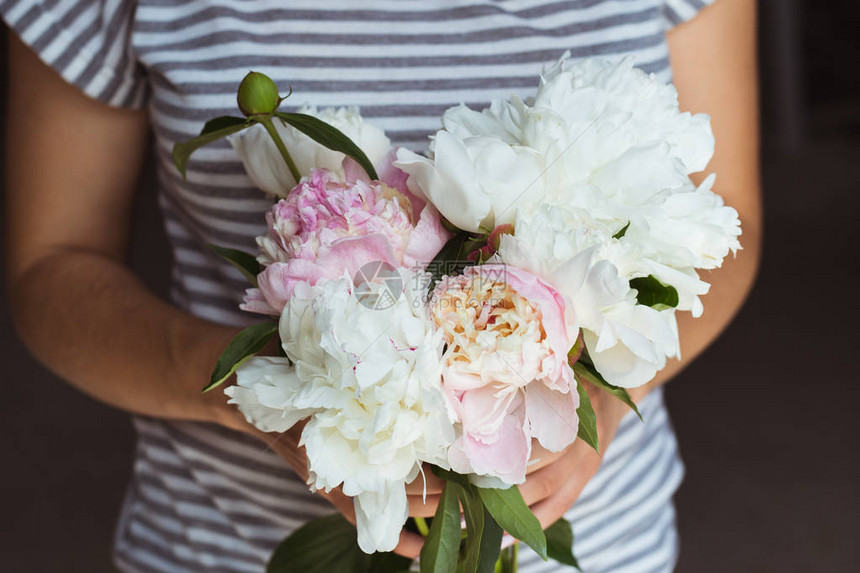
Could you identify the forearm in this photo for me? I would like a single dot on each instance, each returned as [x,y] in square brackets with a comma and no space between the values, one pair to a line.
[715,70]
[92,322]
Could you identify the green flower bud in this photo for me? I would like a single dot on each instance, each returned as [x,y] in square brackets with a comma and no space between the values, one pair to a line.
[258,94]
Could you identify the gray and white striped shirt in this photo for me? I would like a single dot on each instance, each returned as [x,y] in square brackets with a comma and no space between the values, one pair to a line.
[203,498]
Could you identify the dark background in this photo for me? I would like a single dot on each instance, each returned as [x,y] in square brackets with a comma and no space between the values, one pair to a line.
[766,417]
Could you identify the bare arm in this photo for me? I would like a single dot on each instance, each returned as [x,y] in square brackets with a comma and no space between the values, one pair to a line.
[714,63]
[72,168]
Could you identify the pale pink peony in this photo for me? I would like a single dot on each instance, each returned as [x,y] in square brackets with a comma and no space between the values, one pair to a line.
[325,228]
[505,373]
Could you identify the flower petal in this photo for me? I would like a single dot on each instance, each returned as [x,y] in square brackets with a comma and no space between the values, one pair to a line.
[552,416]
[379,518]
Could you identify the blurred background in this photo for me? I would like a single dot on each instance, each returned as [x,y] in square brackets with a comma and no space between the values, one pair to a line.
[765,417]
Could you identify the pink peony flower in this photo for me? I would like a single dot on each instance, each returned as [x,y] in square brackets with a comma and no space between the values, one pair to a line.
[325,228]
[505,370]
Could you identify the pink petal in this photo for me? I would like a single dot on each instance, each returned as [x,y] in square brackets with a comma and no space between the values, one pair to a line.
[277,281]
[256,302]
[548,300]
[353,172]
[427,238]
[483,410]
[388,174]
[507,456]
[552,416]
[458,381]
[396,178]
[351,253]
[494,240]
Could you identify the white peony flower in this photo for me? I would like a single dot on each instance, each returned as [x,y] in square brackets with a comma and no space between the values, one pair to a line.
[602,148]
[476,183]
[369,378]
[688,228]
[265,391]
[628,342]
[635,105]
[602,136]
[267,168]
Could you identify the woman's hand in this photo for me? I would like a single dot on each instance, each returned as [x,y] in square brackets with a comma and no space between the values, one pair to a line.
[554,479]
[287,446]
[555,482]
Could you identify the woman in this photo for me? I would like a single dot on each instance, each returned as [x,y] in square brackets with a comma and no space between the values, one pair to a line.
[91,79]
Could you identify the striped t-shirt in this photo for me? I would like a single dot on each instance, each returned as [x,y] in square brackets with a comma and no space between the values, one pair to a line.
[203,498]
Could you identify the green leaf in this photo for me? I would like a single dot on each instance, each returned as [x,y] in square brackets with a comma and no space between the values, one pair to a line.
[328,545]
[575,353]
[473,511]
[449,475]
[514,516]
[182,151]
[491,544]
[386,563]
[329,136]
[483,534]
[559,543]
[245,345]
[442,546]
[587,419]
[223,122]
[651,292]
[321,546]
[243,261]
[451,260]
[622,232]
[590,374]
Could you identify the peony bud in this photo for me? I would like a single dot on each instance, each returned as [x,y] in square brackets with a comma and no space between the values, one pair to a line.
[258,94]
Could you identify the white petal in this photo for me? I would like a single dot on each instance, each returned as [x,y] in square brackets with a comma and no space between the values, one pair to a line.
[262,161]
[450,182]
[264,393]
[379,518]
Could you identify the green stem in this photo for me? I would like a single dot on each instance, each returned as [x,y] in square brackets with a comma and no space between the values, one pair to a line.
[515,550]
[266,121]
[507,562]
[421,524]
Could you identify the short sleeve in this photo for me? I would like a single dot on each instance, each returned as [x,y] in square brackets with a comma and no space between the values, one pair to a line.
[88,42]
[677,12]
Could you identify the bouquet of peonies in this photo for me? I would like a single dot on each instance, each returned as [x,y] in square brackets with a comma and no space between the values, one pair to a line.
[442,312]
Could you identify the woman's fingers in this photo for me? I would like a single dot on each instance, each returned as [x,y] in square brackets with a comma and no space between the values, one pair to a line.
[341,502]
[421,507]
[542,457]
[549,479]
[410,544]
[552,507]
[552,473]
[426,482]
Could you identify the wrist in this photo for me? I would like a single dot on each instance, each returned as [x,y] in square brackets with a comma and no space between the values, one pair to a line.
[215,402]
[222,413]
[195,346]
